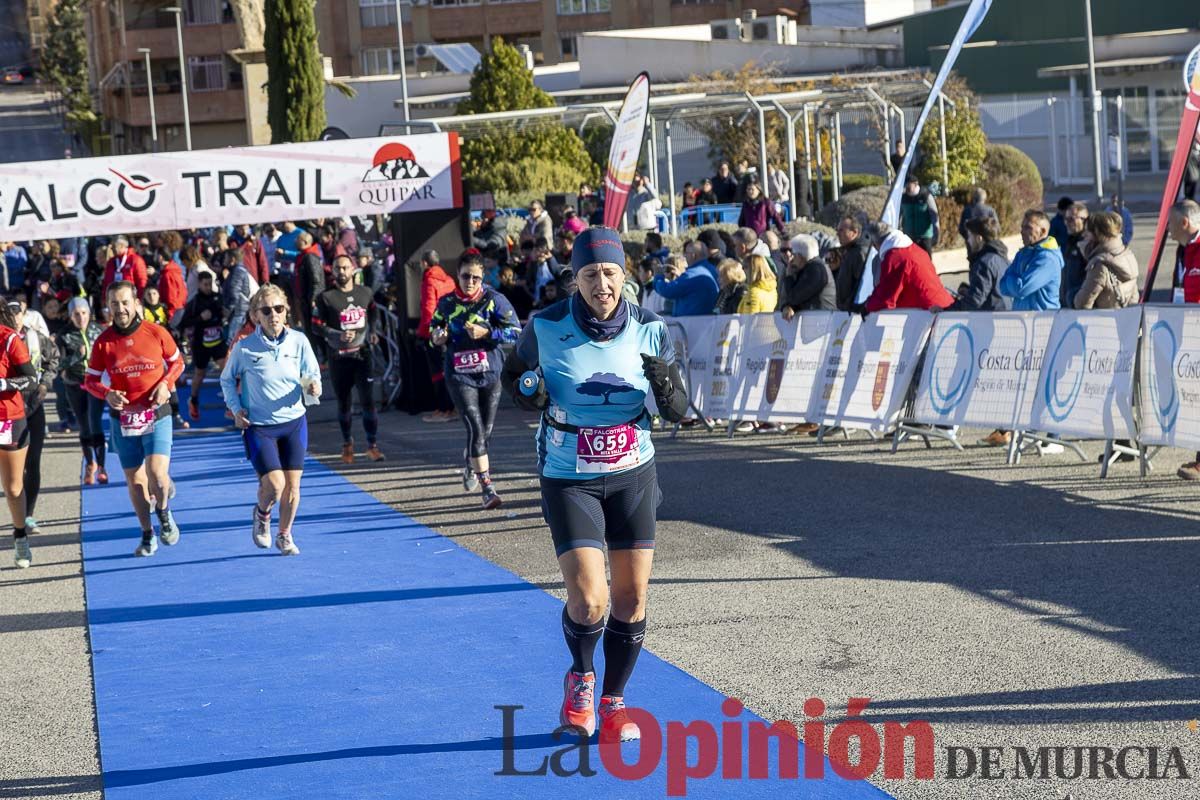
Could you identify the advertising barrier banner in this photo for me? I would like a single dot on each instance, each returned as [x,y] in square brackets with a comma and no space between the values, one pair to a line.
[203,188]
[1086,383]
[982,369]
[821,366]
[868,367]
[1169,380]
[1064,372]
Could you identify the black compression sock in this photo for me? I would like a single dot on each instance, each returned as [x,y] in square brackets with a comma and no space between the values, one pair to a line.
[622,645]
[581,641]
[19,533]
[147,536]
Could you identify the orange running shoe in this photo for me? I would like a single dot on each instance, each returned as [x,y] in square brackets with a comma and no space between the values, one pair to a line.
[348,453]
[615,724]
[374,453]
[102,476]
[89,474]
[578,689]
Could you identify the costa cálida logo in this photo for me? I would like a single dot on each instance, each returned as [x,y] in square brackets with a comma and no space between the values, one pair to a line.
[395,177]
[96,198]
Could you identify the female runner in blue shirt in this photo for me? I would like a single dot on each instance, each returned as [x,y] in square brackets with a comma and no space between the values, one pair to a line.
[277,367]
[597,359]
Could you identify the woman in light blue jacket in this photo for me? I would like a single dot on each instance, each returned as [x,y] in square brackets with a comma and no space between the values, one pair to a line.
[279,376]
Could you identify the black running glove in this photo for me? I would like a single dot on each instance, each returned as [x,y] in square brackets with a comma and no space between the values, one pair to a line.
[667,385]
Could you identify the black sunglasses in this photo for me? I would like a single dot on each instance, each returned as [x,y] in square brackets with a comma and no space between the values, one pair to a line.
[276,309]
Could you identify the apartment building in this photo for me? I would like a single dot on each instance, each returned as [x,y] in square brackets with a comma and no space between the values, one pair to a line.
[37,18]
[118,29]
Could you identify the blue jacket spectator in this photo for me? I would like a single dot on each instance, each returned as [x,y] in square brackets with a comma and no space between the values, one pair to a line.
[694,292]
[15,261]
[1034,277]
[1126,221]
[286,250]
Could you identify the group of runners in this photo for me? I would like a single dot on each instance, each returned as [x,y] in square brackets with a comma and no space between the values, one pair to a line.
[588,365]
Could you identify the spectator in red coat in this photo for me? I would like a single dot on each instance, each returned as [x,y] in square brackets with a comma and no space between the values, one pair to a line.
[435,283]
[907,278]
[171,287]
[253,255]
[1183,225]
[125,265]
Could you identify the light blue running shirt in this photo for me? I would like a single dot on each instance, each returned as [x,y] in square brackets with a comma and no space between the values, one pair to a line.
[591,383]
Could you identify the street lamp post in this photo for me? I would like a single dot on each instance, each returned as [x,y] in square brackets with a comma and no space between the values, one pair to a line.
[403,67]
[145,51]
[1096,144]
[183,76]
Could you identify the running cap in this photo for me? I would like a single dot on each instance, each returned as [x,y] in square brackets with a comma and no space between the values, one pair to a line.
[597,246]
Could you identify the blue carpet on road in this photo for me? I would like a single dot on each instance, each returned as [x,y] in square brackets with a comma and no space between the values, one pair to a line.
[367,667]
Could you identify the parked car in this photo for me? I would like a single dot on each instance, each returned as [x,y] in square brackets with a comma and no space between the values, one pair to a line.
[13,77]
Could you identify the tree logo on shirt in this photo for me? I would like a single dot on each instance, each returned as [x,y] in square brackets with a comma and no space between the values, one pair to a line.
[604,384]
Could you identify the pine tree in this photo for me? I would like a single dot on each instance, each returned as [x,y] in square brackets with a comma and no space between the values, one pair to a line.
[65,60]
[295,75]
[548,152]
[502,83]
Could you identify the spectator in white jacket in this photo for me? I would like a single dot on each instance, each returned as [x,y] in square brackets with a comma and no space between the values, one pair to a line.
[644,204]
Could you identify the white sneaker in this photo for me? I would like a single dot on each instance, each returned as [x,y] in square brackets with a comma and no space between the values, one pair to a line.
[286,546]
[261,530]
[22,555]
[744,427]
[148,547]
[1050,448]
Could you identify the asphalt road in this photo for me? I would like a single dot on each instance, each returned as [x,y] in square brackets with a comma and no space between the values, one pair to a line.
[31,130]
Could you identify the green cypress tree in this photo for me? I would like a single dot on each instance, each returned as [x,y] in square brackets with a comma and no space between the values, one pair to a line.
[65,60]
[295,76]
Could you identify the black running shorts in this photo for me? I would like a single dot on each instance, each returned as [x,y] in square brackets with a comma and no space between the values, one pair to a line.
[203,356]
[20,436]
[618,510]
